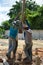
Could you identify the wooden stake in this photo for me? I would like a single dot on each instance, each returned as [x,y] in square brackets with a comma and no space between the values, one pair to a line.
[23,10]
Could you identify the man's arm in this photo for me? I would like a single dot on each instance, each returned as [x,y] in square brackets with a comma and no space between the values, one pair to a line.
[17,16]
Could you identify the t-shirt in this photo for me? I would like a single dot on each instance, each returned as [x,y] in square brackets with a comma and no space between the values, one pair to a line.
[13,32]
[28,38]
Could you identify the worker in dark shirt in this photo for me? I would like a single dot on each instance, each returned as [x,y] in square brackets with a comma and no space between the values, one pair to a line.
[28,41]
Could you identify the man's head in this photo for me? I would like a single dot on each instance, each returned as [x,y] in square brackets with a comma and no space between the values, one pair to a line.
[16,24]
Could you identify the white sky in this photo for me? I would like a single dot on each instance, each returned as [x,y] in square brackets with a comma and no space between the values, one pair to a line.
[5,6]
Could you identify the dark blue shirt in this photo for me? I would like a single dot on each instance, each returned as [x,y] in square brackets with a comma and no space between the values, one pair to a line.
[27,24]
[26,21]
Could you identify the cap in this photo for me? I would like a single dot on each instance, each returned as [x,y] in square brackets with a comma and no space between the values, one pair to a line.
[14,22]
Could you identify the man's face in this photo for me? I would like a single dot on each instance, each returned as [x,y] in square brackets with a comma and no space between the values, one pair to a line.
[17,24]
[14,25]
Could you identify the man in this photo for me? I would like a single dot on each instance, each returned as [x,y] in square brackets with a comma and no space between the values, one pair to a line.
[28,41]
[13,40]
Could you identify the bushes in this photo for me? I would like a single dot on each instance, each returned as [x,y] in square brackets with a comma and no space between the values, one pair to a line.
[2,32]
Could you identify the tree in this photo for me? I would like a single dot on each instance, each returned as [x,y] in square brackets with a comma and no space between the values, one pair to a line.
[31,5]
[37,19]
[2,31]
[33,12]
[32,18]
[6,25]
[14,10]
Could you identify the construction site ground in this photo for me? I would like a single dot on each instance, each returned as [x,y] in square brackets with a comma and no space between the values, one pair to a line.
[21,44]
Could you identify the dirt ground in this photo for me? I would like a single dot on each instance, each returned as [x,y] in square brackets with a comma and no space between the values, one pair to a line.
[21,43]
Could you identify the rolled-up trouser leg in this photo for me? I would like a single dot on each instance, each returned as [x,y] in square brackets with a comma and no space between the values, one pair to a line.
[14,51]
[30,52]
[12,46]
[27,55]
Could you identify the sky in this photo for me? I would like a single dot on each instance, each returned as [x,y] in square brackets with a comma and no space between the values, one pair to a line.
[5,6]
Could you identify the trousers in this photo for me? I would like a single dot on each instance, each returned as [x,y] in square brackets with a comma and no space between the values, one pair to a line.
[13,43]
[28,43]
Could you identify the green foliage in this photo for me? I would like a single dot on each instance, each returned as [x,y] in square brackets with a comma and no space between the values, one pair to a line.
[31,5]
[33,12]
[37,21]
[6,25]
[2,31]
[14,10]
